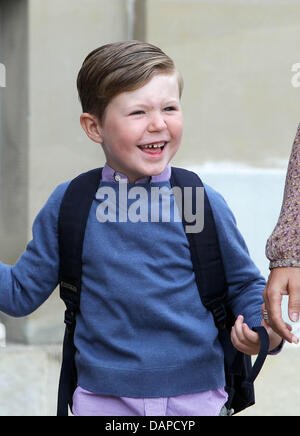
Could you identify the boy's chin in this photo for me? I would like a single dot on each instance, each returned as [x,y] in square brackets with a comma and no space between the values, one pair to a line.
[155,170]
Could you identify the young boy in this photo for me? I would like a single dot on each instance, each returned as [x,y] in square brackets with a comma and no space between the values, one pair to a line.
[145,343]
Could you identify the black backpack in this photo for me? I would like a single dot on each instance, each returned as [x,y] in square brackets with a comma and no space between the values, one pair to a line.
[210,279]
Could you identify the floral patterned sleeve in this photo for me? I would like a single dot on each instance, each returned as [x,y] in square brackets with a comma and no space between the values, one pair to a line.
[283,246]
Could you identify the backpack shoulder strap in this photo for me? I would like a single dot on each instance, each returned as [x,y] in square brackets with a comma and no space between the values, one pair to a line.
[74,211]
[205,249]
[212,286]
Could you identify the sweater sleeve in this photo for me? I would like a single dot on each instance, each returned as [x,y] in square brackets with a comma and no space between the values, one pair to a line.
[283,246]
[27,284]
[245,282]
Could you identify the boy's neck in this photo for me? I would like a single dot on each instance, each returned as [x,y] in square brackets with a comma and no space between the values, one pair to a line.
[110,175]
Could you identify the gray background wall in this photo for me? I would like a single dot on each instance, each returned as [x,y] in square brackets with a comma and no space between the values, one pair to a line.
[240,113]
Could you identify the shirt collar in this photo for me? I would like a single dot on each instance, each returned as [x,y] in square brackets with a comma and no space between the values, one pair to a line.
[110,175]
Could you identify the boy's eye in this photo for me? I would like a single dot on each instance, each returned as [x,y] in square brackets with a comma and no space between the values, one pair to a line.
[137,113]
[170,108]
[166,109]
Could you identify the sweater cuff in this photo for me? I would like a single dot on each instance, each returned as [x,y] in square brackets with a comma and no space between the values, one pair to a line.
[255,321]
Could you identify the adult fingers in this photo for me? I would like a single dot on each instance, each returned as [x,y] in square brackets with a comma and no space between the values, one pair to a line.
[272,304]
[275,289]
[293,289]
[280,327]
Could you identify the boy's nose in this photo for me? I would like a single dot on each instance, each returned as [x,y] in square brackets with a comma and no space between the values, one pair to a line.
[157,123]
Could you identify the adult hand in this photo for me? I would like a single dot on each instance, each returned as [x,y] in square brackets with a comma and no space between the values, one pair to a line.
[283,281]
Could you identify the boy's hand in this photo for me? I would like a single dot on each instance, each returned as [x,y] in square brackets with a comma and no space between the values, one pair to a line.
[246,340]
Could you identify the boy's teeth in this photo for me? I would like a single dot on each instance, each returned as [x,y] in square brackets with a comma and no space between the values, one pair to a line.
[153,145]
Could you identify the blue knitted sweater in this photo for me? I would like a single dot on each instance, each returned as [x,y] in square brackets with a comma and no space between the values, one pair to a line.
[142,330]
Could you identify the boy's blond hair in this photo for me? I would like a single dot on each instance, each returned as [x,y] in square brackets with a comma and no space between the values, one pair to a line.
[119,67]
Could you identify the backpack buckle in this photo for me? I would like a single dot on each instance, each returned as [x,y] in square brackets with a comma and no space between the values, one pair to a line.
[65,285]
[70,319]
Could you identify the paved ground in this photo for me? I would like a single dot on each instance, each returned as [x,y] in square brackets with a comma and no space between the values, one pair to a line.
[29,380]
[278,385]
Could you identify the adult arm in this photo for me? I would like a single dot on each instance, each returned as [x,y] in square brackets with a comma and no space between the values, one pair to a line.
[283,246]
[283,251]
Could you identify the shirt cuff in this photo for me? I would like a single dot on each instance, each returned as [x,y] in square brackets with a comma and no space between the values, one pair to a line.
[277,349]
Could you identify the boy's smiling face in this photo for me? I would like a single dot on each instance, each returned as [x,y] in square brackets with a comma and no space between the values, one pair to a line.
[149,115]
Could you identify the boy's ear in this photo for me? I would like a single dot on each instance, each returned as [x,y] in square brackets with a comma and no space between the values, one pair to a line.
[91,126]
